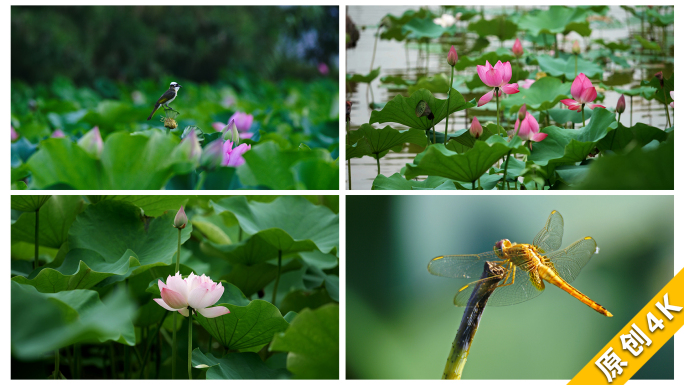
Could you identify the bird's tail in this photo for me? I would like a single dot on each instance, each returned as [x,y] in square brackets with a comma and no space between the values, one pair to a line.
[156,107]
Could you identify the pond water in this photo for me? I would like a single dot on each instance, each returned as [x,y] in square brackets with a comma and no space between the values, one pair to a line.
[413,63]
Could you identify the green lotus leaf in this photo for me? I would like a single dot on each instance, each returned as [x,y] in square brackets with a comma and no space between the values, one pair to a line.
[556,19]
[645,92]
[563,146]
[28,202]
[289,223]
[613,45]
[298,300]
[245,326]
[572,174]
[492,57]
[621,137]
[380,141]
[398,182]
[56,216]
[312,341]
[396,80]
[319,259]
[270,166]
[128,162]
[659,19]
[236,366]
[438,83]
[42,322]
[152,205]
[647,44]
[109,241]
[253,278]
[420,28]
[560,66]
[668,85]
[360,149]
[357,78]
[402,110]
[500,26]
[542,95]
[563,116]
[467,167]
[640,169]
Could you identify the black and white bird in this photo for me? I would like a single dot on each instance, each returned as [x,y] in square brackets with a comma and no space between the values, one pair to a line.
[167,98]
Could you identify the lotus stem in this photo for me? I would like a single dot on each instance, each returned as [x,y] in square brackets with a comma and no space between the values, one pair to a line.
[460,348]
[348,160]
[179,251]
[190,344]
[280,259]
[582,115]
[576,55]
[200,182]
[496,92]
[508,157]
[448,101]
[377,158]
[630,110]
[56,374]
[479,185]
[473,185]
[173,348]
[35,262]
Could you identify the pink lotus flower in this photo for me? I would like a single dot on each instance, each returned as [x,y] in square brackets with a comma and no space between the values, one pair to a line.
[58,134]
[212,154]
[233,156]
[323,68]
[517,48]
[498,78]
[583,92]
[527,83]
[195,292]
[15,135]
[529,129]
[672,97]
[243,121]
[475,128]
[452,56]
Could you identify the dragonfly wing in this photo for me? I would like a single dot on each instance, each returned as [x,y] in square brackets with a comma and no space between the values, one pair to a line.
[461,266]
[524,288]
[550,237]
[570,261]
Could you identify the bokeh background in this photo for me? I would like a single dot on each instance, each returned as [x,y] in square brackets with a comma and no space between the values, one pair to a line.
[95,44]
[401,320]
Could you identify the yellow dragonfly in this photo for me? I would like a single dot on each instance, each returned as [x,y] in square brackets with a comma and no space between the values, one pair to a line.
[527,267]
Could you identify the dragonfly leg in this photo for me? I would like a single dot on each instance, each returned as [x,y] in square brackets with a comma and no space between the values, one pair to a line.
[510,273]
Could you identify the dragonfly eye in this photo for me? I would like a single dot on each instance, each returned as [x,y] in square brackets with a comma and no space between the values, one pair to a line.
[499,245]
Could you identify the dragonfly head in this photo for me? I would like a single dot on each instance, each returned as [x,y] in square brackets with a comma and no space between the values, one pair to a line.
[499,246]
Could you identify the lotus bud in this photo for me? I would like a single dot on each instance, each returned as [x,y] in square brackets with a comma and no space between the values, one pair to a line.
[475,128]
[452,57]
[522,112]
[620,108]
[91,142]
[576,47]
[190,146]
[15,135]
[227,132]
[58,134]
[517,48]
[181,219]
[212,155]
[423,109]
[659,76]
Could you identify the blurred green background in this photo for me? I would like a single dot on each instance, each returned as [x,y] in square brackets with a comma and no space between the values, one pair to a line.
[88,44]
[401,320]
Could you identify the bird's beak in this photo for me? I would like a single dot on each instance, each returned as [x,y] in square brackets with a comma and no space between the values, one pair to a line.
[180,86]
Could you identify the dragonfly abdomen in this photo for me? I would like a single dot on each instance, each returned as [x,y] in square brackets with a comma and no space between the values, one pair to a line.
[549,275]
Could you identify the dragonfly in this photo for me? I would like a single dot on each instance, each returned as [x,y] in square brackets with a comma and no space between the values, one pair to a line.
[526,267]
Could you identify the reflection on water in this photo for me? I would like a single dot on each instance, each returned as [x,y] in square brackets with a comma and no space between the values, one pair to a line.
[396,59]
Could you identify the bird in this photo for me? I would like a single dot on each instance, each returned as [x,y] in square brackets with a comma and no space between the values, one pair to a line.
[166,98]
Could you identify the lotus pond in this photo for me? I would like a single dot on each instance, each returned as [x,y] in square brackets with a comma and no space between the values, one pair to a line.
[161,287]
[585,97]
[82,122]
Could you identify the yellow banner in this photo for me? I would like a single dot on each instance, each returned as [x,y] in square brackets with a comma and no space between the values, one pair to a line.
[638,341]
